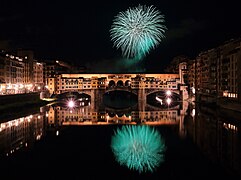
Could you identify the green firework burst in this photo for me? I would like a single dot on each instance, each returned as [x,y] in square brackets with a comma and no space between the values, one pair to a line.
[137,30]
[140,148]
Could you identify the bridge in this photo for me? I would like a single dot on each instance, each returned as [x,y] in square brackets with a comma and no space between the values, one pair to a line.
[96,85]
[139,84]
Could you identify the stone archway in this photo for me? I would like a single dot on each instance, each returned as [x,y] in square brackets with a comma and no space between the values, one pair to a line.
[111,83]
[128,83]
[120,83]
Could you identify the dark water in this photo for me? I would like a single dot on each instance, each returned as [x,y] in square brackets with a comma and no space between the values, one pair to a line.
[47,146]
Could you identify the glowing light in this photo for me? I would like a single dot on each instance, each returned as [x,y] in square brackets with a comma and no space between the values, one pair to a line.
[159,99]
[193,90]
[168,101]
[71,103]
[137,30]
[139,148]
[193,113]
[168,93]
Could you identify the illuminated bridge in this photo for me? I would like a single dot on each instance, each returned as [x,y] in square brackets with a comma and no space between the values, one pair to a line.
[139,84]
[96,85]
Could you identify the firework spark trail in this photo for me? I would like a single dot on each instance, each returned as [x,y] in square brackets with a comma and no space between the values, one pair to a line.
[137,30]
[138,147]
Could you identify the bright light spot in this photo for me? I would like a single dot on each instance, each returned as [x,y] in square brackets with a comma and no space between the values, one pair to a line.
[159,99]
[168,93]
[38,137]
[193,90]
[71,104]
[169,101]
[193,113]
[57,133]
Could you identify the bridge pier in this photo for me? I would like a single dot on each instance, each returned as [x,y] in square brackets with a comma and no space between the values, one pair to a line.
[141,102]
[98,99]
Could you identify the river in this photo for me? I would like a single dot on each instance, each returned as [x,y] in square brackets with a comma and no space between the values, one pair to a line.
[122,139]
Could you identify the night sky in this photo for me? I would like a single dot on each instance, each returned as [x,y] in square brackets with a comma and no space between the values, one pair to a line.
[78,31]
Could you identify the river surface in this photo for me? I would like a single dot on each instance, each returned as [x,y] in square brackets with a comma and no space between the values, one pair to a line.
[117,140]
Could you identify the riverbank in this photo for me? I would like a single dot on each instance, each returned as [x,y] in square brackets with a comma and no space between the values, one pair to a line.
[220,102]
[15,106]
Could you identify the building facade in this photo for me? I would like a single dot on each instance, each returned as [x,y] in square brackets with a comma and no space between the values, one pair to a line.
[216,72]
[20,73]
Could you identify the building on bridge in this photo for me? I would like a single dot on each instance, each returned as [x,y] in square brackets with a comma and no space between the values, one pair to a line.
[84,83]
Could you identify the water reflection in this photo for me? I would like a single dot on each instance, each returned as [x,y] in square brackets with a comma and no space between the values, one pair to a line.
[20,133]
[139,148]
[59,115]
[112,99]
[215,132]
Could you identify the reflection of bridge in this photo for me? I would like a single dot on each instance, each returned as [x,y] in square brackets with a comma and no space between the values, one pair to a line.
[147,90]
[88,116]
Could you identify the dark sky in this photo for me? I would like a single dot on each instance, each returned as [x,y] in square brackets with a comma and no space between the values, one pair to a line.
[78,31]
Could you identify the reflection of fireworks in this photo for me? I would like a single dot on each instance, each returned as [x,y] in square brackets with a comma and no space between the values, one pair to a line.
[137,30]
[138,147]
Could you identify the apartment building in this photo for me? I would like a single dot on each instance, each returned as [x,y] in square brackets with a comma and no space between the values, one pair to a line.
[216,72]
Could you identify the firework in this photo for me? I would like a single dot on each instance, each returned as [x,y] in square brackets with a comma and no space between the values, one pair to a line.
[137,30]
[140,148]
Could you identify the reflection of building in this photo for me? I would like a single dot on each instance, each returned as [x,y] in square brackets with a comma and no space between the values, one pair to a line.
[60,115]
[82,116]
[216,136]
[20,133]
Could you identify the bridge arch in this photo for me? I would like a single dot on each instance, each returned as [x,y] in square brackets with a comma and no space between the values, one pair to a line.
[111,83]
[120,83]
[73,94]
[127,83]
